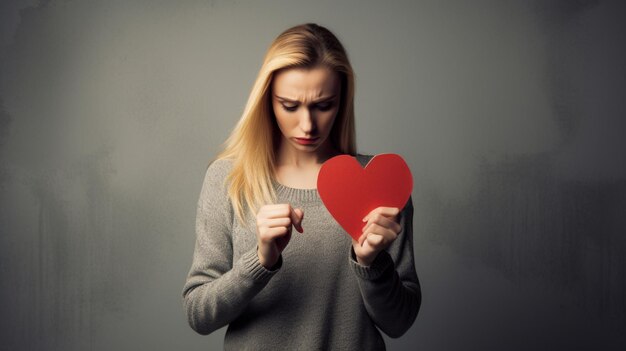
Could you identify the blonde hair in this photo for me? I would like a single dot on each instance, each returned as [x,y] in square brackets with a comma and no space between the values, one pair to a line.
[253,143]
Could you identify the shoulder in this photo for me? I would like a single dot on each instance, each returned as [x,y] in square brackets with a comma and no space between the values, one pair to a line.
[216,173]
[214,199]
[220,167]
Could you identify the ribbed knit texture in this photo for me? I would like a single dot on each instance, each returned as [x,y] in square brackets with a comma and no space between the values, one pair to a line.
[317,297]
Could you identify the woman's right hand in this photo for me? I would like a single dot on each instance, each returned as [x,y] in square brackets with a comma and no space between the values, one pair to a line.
[273,224]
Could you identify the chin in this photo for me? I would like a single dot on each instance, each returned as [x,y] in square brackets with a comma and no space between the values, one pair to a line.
[307,148]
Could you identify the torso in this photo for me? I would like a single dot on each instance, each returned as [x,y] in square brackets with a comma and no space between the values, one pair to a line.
[315,295]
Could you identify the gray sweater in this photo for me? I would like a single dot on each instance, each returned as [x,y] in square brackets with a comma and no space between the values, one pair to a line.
[316,298]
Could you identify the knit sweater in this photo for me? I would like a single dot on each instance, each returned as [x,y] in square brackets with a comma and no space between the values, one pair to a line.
[317,297]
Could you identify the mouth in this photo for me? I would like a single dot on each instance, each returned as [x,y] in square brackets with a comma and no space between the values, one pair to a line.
[306,141]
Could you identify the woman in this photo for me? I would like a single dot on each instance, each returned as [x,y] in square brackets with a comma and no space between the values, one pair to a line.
[318,289]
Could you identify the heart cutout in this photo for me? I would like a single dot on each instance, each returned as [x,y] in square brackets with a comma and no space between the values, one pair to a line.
[350,191]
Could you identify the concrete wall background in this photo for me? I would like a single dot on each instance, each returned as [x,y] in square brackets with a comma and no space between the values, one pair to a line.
[510,114]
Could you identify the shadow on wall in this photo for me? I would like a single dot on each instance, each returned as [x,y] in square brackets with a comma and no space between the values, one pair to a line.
[558,217]
[532,226]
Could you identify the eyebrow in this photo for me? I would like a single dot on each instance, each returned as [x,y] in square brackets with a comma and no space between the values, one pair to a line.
[324,99]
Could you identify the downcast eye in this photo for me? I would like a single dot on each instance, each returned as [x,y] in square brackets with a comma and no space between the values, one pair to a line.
[290,108]
[325,106]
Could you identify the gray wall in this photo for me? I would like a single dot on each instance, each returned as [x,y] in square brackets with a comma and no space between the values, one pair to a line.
[510,114]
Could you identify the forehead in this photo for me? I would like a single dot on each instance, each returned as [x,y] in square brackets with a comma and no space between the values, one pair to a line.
[305,84]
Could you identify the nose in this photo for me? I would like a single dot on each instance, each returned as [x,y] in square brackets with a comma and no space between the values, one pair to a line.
[307,122]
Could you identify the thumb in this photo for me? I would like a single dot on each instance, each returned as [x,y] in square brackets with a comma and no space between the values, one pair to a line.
[296,218]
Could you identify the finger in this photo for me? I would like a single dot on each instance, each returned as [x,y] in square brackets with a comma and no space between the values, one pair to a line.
[296,218]
[281,210]
[385,211]
[376,241]
[275,206]
[363,250]
[362,238]
[274,222]
[271,207]
[383,222]
[387,233]
[299,212]
[285,210]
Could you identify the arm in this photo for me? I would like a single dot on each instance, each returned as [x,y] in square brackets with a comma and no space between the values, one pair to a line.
[217,289]
[391,293]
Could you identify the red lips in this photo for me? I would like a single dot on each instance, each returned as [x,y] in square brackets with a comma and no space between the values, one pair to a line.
[306,141]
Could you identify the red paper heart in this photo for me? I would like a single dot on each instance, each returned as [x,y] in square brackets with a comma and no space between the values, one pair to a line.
[350,191]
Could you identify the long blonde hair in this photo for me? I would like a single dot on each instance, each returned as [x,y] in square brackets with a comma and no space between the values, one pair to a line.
[253,143]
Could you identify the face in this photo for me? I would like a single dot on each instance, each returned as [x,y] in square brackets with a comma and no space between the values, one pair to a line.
[305,103]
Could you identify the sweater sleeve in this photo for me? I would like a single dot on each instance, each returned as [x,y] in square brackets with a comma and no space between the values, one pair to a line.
[389,286]
[217,289]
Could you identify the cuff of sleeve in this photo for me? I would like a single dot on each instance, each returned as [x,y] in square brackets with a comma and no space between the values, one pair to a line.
[381,265]
[252,267]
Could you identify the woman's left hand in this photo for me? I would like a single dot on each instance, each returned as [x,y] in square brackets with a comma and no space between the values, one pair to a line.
[381,230]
